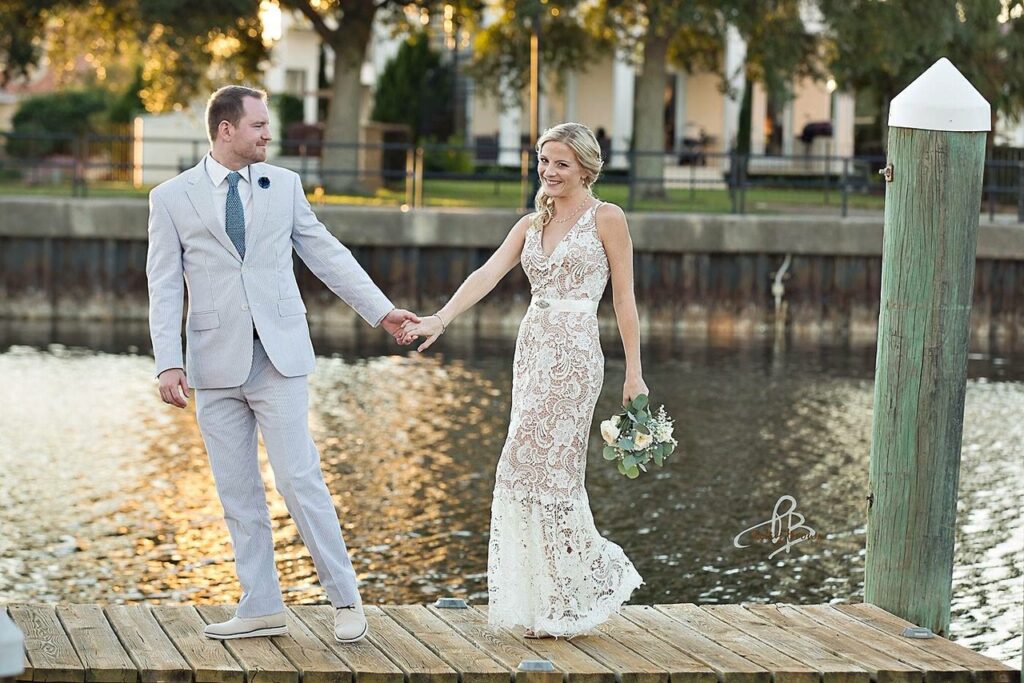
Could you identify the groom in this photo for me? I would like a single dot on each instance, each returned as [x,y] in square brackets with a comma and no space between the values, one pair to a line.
[225,229]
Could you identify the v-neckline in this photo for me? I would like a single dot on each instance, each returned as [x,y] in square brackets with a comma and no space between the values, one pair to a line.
[548,257]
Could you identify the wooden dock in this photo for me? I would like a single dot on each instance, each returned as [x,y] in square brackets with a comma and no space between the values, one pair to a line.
[417,644]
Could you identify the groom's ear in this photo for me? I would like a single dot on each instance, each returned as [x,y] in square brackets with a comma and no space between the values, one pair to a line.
[225,128]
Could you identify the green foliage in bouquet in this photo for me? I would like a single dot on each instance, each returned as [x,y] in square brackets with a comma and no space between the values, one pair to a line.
[636,436]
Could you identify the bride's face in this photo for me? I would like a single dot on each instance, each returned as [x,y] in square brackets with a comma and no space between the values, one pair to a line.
[559,170]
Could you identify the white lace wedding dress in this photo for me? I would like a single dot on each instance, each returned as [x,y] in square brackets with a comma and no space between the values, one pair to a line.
[548,568]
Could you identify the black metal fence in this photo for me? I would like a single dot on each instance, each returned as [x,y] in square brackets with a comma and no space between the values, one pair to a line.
[485,174]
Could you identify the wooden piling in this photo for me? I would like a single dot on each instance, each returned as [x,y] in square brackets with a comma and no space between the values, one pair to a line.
[932,204]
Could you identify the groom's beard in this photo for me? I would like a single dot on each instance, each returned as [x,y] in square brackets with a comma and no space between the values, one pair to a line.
[258,154]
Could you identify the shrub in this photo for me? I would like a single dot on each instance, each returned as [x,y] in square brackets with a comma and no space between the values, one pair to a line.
[48,124]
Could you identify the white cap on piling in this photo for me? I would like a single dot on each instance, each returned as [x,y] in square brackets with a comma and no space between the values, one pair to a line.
[941,99]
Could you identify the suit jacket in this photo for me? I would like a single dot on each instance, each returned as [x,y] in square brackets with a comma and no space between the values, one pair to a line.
[228,295]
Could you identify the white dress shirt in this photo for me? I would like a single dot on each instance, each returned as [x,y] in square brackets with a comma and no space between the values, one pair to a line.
[219,177]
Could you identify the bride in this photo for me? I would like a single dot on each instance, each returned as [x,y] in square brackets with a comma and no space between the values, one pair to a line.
[548,568]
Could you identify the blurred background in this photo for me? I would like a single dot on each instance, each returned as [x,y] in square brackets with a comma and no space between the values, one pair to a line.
[744,139]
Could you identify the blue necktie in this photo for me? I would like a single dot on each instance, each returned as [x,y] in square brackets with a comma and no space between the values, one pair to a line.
[234,216]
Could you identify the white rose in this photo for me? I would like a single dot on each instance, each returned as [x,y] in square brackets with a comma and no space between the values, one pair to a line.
[642,440]
[609,432]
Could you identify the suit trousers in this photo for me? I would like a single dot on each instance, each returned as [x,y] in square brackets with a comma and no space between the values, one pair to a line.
[278,406]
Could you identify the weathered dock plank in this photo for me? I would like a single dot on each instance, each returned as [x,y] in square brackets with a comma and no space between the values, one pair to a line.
[683,643]
[102,655]
[934,668]
[729,666]
[783,668]
[500,644]
[261,660]
[472,664]
[367,663]
[209,659]
[47,645]
[983,669]
[415,659]
[832,667]
[628,665]
[306,652]
[155,656]
[881,666]
[579,666]
[680,667]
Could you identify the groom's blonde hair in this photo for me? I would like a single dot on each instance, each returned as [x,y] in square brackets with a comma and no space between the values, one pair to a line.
[226,104]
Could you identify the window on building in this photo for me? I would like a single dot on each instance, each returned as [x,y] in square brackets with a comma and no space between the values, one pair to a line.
[295,82]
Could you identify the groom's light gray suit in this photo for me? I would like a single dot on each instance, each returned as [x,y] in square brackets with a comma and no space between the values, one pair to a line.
[243,383]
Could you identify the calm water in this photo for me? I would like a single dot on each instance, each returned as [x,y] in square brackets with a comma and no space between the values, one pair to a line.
[109,497]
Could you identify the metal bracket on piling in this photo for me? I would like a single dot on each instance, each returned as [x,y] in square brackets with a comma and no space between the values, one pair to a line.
[536,665]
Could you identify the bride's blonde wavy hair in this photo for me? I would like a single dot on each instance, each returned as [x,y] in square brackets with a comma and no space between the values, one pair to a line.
[583,143]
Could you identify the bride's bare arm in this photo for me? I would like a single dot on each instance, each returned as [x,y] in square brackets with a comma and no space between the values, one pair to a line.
[479,283]
[614,233]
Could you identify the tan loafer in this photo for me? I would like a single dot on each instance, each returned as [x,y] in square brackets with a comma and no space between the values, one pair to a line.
[248,627]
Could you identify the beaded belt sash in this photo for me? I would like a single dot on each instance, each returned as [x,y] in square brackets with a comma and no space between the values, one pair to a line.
[565,305]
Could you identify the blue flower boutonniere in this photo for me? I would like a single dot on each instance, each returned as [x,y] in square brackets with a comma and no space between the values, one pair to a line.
[264,182]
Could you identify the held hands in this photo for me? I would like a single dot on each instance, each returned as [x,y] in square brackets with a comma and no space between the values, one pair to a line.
[633,387]
[172,387]
[430,327]
[394,323]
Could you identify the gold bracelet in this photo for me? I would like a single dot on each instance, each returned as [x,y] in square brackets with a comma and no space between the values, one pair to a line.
[444,327]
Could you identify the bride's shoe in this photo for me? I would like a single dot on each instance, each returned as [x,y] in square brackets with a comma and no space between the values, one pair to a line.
[537,635]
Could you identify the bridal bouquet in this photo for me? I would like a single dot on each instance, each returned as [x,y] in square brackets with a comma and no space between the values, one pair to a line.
[635,437]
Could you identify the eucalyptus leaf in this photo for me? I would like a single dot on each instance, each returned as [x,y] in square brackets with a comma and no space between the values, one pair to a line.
[609,453]
[641,466]
[643,429]
[626,444]
[658,459]
[621,467]
[639,403]
[629,461]
[633,472]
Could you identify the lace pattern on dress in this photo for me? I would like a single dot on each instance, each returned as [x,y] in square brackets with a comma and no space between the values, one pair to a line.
[548,567]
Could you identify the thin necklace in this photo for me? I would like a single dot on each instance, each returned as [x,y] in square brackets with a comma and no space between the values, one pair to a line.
[578,208]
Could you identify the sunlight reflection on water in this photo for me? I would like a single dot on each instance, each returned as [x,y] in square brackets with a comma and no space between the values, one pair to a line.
[109,496]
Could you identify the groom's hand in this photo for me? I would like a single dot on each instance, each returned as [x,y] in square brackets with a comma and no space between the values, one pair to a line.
[172,385]
[394,320]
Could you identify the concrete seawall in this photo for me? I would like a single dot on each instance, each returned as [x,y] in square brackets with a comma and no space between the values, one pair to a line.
[695,273]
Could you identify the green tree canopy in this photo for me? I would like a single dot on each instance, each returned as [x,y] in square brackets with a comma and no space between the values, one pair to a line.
[416,89]
[177,48]
[880,47]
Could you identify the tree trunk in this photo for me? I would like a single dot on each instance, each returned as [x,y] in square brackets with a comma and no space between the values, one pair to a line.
[339,163]
[649,117]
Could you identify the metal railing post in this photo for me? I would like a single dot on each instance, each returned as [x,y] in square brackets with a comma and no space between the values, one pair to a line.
[742,173]
[304,162]
[844,190]
[989,172]
[828,174]
[418,200]
[410,174]
[81,153]
[733,199]
[524,178]
[631,197]
[1020,191]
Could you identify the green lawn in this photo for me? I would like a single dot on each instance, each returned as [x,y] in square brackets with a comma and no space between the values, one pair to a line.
[507,194]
